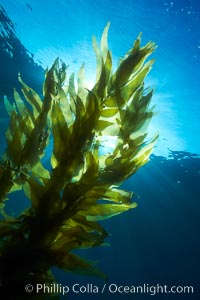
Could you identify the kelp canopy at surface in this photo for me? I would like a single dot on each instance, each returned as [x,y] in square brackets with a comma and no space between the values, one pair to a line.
[81,188]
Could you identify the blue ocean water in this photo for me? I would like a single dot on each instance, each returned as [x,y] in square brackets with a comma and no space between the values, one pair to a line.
[159,241]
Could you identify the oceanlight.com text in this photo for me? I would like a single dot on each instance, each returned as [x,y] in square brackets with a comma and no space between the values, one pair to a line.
[111,288]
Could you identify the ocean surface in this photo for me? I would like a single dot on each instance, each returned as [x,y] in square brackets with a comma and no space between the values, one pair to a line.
[157,243]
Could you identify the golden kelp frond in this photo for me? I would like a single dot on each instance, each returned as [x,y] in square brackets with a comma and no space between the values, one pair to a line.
[5,181]
[32,98]
[81,187]
[76,264]
[29,130]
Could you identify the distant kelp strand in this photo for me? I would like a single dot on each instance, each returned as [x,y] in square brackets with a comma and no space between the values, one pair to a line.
[82,186]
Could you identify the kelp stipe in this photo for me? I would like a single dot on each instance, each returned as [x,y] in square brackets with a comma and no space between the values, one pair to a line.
[81,188]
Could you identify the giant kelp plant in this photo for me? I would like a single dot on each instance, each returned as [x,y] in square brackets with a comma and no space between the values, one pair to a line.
[81,187]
